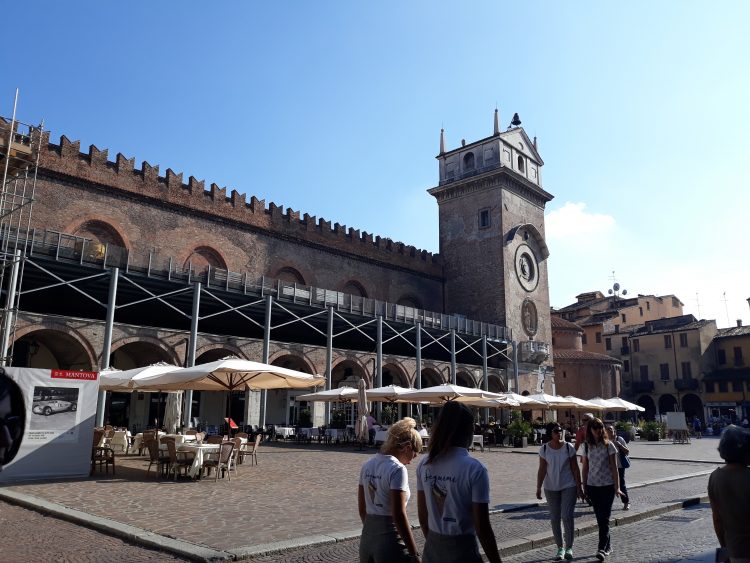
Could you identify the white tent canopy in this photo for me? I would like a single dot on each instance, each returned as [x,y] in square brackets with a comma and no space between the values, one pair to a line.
[602,404]
[581,404]
[553,401]
[339,395]
[627,404]
[389,394]
[448,392]
[501,403]
[524,401]
[115,380]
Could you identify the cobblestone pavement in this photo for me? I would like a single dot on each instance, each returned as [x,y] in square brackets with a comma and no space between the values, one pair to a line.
[667,538]
[30,536]
[295,491]
[524,523]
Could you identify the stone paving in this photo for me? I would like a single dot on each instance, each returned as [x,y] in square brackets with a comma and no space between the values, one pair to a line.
[296,491]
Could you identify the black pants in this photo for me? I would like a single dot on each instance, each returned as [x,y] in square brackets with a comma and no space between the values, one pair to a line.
[602,499]
[623,489]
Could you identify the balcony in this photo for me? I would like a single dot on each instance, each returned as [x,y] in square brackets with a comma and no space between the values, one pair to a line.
[686,384]
[643,387]
[533,352]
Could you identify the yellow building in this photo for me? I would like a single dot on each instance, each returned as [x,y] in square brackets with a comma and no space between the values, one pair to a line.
[727,387]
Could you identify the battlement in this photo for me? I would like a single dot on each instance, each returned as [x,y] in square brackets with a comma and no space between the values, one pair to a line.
[121,174]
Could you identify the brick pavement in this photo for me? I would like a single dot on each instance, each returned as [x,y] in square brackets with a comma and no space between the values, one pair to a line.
[30,536]
[296,491]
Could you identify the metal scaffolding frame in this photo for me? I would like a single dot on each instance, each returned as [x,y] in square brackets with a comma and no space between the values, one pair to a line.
[19,159]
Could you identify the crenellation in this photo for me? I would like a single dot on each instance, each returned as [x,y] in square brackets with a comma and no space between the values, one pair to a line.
[122,174]
[97,157]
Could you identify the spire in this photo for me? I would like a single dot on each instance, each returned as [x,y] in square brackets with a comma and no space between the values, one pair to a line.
[535,145]
[497,122]
[442,141]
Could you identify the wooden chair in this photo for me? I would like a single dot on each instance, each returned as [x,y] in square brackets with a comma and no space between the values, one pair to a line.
[156,456]
[221,460]
[147,435]
[214,440]
[101,455]
[252,450]
[236,454]
[177,460]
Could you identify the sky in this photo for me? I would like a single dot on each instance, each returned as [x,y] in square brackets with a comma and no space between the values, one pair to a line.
[641,109]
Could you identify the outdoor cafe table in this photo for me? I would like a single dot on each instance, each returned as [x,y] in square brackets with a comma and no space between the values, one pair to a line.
[335,434]
[138,440]
[284,432]
[478,439]
[120,440]
[309,433]
[199,452]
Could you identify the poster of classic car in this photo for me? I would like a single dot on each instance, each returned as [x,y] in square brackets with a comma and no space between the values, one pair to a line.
[53,407]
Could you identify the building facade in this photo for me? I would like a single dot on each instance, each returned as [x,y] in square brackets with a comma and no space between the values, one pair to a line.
[727,386]
[199,274]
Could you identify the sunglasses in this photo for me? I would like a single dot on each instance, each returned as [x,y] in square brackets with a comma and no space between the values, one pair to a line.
[557,430]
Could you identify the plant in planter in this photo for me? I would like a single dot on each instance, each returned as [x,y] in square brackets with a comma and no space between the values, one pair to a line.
[389,414]
[338,419]
[651,430]
[625,429]
[519,430]
[304,419]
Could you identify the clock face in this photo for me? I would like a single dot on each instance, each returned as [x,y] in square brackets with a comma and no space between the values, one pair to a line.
[527,269]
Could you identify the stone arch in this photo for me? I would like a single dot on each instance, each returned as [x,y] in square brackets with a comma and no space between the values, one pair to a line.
[214,352]
[53,348]
[667,403]
[495,384]
[409,300]
[394,374]
[692,406]
[297,362]
[353,287]
[465,379]
[526,230]
[647,402]
[102,230]
[290,275]
[347,372]
[431,377]
[201,257]
[135,352]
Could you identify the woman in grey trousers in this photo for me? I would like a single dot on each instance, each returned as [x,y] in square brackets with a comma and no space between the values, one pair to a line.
[558,471]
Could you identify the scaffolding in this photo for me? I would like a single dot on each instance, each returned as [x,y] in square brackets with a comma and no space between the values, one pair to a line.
[20,145]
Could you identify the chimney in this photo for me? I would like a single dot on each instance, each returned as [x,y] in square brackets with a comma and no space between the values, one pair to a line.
[739,323]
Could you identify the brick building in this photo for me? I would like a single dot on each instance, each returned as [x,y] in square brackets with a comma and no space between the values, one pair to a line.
[201,273]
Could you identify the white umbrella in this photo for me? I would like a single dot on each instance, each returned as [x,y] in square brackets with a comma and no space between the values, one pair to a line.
[524,401]
[501,403]
[173,412]
[113,379]
[602,404]
[553,401]
[627,404]
[230,374]
[338,395]
[448,392]
[363,430]
[581,405]
[389,394]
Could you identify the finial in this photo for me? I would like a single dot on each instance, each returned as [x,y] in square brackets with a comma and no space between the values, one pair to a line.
[497,122]
[516,120]
[442,140]
[535,145]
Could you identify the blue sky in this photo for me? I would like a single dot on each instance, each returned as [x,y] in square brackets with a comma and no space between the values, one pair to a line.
[642,111]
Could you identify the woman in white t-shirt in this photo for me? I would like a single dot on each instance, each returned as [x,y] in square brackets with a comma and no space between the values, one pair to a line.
[382,496]
[558,470]
[601,480]
[453,493]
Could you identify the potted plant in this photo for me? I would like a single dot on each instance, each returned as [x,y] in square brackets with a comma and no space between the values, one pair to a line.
[651,430]
[519,430]
[625,429]
[389,414]
[338,419]
[304,420]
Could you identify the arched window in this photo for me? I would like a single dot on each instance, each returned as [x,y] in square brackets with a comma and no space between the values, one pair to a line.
[469,161]
[100,232]
[520,163]
[290,275]
[205,256]
[353,287]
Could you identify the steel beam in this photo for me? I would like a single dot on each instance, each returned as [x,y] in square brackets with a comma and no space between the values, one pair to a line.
[10,308]
[329,360]
[266,355]
[453,356]
[107,348]
[192,348]
[379,361]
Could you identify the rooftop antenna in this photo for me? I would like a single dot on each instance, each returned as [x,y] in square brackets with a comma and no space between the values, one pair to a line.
[614,291]
[726,309]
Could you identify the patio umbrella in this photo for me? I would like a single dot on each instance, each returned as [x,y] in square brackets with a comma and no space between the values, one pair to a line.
[580,404]
[389,394]
[602,404]
[525,403]
[113,379]
[363,430]
[173,412]
[627,404]
[339,395]
[553,401]
[448,392]
[501,403]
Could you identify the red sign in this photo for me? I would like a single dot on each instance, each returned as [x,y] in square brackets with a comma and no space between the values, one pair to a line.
[232,424]
[71,374]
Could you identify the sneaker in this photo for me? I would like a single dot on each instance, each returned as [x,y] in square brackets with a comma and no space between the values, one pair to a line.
[560,554]
[600,555]
[568,553]
[608,552]
[626,506]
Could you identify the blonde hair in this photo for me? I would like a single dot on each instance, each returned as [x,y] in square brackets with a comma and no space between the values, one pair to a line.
[401,433]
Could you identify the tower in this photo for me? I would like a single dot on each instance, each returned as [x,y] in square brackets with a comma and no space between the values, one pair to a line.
[491,220]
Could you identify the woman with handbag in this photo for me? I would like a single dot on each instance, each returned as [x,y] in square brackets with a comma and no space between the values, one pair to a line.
[623,462]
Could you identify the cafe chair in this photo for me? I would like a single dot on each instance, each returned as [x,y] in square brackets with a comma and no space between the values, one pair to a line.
[101,455]
[177,460]
[220,461]
[156,456]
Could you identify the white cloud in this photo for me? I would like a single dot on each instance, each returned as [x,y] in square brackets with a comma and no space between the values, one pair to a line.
[573,221]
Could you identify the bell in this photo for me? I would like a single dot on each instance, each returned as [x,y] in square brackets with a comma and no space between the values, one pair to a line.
[516,120]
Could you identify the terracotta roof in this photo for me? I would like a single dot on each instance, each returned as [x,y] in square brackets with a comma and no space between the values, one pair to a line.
[733,331]
[562,324]
[583,356]
[671,324]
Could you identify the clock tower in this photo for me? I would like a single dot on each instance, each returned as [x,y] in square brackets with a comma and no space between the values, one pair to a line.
[491,219]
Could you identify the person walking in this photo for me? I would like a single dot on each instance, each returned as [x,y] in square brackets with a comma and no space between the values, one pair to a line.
[623,462]
[558,471]
[697,427]
[453,493]
[729,494]
[601,480]
[382,496]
